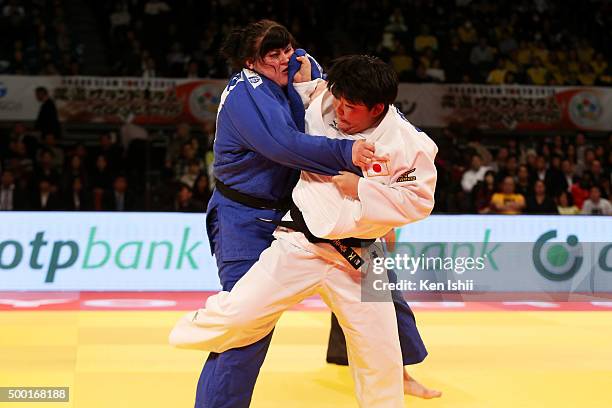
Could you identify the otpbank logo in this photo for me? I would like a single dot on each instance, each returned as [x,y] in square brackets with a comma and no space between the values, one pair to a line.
[557,261]
[99,252]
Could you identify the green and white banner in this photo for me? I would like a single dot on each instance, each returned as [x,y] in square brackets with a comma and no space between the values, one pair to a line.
[170,251]
[105,251]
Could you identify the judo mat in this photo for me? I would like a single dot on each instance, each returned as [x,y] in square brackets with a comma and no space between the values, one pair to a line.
[111,350]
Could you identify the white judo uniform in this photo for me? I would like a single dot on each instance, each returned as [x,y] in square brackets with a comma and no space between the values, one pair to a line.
[392,193]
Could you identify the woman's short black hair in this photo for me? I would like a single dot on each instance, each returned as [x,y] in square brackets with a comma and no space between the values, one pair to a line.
[363,79]
[254,41]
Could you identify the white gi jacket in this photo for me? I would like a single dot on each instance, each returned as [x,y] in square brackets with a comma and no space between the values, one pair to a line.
[393,192]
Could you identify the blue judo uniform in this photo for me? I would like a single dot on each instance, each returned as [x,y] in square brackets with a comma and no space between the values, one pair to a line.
[259,150]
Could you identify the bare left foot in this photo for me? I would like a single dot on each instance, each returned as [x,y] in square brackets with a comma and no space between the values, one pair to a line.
[416,389]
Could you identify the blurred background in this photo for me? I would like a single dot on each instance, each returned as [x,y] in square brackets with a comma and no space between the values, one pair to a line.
[506,89]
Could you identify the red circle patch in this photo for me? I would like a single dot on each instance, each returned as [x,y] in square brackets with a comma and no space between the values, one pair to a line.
[377,168]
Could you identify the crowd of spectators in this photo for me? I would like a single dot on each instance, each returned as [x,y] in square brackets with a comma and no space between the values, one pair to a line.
[41,172]
[510,174]
[524,175]
[444,41]
[35,39]
[454,41]
[524,42]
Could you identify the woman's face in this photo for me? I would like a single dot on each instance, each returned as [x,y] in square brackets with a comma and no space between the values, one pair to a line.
[274,65]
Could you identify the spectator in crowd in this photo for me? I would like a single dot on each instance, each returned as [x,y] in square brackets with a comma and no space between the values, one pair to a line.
[555,179]
[112,151]
[76,197]
[599,65]
[193,171]
[507,201]
[565,205]
[510,169]
[57,154]
[581,148]
[541,170]
[435,71]
[202,191]
[45,168]
[120,198]
[595,204]
[539,202]
[184,201]
[480,149]
[187,157]
[396,24]
[11,197]
[454,60]
[425,40]
[45,198]
[47,120]
[474,174]
[537,74]
[570,154]
[531,161]
[499,164]
[19,160]
[585,164]
[482,56]
[101,175]
[497,76]
[567,169]
[524,181]
[597,173]
[600,153]
[74,169]
[580,189]
[483,193]
[586,76]
[402,63]
[181,136]
[467,33]
[557,146]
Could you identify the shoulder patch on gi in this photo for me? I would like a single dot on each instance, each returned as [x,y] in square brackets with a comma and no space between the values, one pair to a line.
[406,176]
[253,78]
[378,168]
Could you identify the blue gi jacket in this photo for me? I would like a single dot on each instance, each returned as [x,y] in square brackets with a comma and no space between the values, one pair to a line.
[258,151]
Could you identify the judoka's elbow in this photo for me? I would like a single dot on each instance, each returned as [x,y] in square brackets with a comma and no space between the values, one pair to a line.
[422,210]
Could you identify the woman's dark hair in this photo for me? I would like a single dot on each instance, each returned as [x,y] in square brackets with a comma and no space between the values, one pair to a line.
[570,199]
[254,41]
[363,79]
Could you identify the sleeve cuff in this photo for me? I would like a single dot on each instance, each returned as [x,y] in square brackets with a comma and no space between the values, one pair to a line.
[305,89]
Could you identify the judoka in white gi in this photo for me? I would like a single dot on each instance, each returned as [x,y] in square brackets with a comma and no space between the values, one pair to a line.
[397,188]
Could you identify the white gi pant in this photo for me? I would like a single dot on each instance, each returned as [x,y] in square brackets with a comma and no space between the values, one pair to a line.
[284,275]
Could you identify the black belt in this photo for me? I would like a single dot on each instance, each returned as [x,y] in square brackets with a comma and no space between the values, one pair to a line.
[250,201]
[343,246]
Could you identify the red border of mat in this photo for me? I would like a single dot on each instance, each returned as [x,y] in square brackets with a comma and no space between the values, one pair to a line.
[29,301]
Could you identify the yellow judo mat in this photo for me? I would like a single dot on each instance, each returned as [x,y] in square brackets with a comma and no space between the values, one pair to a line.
[478,359]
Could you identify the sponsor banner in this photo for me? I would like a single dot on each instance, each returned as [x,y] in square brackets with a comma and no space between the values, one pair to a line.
[105,251]
[497,258]
[170,251]
[113,100]
[511,107]
[167,101]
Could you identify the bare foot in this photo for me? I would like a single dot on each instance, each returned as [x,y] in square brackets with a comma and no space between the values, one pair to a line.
[416,389]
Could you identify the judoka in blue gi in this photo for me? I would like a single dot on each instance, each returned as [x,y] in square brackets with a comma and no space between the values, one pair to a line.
[259,149]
